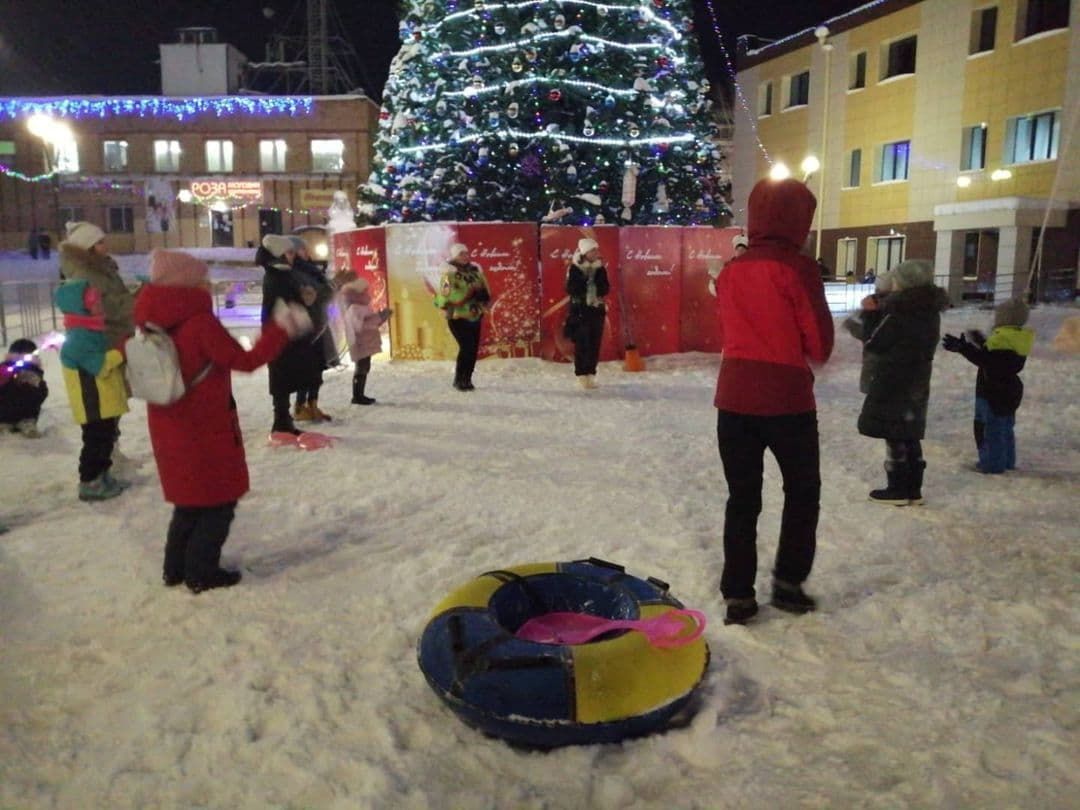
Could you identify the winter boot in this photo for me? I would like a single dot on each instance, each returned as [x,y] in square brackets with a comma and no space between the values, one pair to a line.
[459,384]
[120,482]
[740,611]
[791,598]
[100,489]
[28,428]
[467,384]
[917,468]
[358,383]
[896,493]
[221,578]
[317,414]
[303,413]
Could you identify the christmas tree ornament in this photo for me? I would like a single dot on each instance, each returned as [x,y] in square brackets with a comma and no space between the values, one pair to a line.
[517,65]
[500,29]
[531,55]
[513,150]
[493,119]
[513,110]
[609,101]
[559,23]
[555,94]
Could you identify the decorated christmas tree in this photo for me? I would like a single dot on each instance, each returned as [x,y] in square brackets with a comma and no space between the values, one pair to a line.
[569,111]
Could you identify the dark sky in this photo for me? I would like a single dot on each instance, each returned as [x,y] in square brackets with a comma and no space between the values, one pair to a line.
[57,47]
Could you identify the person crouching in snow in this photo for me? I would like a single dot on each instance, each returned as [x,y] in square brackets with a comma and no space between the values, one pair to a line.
[362,334]
[196,440]
[587,285]
[773,321]
[900,354]
[998,389]
[96,388]
[22,388]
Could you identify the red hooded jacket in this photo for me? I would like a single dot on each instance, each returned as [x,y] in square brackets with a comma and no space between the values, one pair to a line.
[197,443]
[772,310]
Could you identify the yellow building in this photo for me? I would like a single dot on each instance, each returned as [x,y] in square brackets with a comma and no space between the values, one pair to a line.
[945,130]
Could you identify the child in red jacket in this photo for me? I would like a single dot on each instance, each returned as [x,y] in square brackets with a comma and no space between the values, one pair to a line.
[197,443]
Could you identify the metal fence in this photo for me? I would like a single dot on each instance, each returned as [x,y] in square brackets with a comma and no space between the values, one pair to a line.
[27,310]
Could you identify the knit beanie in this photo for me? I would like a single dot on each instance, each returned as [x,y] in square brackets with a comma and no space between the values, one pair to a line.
[277,244]
[912,273]
[83,234]
[174,268]
[22,346]
[740,240]
[585,245]
[883,284]
[457,249]
[1013,312]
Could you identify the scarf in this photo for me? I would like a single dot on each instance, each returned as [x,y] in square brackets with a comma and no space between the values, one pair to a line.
[589,269]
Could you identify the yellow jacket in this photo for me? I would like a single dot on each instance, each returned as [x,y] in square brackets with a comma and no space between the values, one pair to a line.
[101,397]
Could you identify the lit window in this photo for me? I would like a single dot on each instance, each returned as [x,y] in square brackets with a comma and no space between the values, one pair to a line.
[67,156]
[1033,137]
[7,148]
[328,156]
[847,254]
[857,71]
[973,150]
[888,252]
[983,30]
[219,156]
[765,99]
[166,156]
[898,58]
[272,155]
[894,161]
[799,89]
[116,155]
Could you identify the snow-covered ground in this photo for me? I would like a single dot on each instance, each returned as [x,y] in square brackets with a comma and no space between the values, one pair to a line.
[941,672]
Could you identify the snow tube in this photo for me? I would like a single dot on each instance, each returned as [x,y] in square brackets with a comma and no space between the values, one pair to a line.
[548,695]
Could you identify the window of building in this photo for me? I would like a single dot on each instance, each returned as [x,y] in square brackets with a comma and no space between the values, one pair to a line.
[116,155]
[7,148]
[857,71]
[1032,137]
[898,57]
[70,213]
[888,251]
[973,149]
[983,28]
[121,219]
[1035,16]
[765,99]
[798,90]
[272,155]
[971,256]
[894,161]
[854,168]
[847,254]
[219,156]
[67,157]
[328,156]
[166,156]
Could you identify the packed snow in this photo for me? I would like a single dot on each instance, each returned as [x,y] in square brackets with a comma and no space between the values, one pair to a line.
[941,670]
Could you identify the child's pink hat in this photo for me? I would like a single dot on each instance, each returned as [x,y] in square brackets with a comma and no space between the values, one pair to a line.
[173,268]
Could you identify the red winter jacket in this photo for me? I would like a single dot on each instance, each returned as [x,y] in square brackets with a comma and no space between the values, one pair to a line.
[772,311]
[196,440]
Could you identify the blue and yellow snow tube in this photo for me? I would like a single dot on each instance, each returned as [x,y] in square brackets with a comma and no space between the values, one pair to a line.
[547,695]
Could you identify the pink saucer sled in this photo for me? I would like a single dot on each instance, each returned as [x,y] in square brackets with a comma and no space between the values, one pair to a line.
[308,440]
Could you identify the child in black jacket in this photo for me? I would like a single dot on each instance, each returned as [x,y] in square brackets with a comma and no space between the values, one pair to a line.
[998,389]
[22,389]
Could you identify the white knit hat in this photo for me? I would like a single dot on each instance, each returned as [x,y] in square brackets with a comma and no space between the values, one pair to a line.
[457,249]
[83,234]
[277,244]
[912,273]
[740,240]
[585,245]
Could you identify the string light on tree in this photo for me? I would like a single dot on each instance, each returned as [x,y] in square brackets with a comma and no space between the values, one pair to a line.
[516,110]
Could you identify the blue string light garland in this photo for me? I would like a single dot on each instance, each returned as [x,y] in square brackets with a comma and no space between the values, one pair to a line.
[180,109]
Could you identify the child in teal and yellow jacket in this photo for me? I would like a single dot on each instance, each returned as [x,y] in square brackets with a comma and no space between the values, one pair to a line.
[998,389]
[96,388]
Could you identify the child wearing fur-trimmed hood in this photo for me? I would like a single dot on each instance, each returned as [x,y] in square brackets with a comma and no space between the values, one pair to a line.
[362,324]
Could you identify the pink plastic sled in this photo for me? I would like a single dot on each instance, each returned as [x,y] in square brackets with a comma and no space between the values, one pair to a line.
[672,629]
[308,440]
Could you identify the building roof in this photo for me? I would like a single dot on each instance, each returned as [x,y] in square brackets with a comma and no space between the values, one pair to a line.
[800,39]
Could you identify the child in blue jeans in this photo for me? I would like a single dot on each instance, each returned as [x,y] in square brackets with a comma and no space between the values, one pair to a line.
[998,389]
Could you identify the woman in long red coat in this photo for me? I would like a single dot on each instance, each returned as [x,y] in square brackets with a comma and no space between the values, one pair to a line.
[197,443]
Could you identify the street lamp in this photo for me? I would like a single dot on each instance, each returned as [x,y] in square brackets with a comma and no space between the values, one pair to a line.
[809,166]
[822,34]
[55,136]
[779,171]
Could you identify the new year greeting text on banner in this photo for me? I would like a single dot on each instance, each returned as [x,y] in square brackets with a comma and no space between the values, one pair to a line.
[649,260]
[557,245]
[416,255]
[506,255]
[704,249]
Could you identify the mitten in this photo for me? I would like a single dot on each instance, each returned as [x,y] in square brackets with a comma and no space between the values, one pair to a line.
[292,318]
[952,343]
[976,337]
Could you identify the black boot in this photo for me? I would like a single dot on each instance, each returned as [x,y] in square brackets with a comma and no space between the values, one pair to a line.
[740,611]
[283,422]
[791,598]
[896,493]
[221,578]
[915,478]
[358,383]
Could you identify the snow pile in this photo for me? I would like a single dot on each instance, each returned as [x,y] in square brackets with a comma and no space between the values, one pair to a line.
[941,671]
